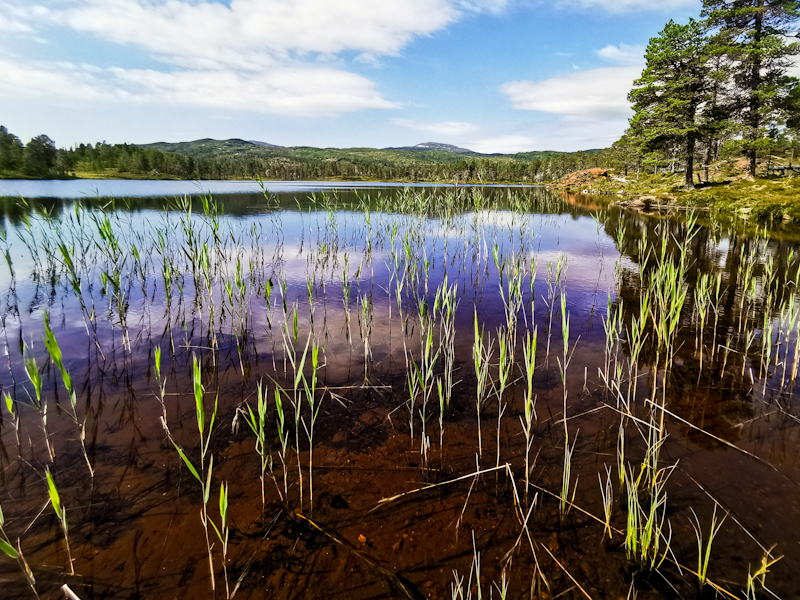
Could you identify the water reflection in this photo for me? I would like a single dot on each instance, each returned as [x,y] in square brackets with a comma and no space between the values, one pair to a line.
[247,285]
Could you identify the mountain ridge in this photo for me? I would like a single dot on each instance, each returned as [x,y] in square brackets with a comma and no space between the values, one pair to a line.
[426,151]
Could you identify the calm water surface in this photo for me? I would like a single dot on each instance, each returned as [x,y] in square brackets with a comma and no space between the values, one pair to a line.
[122,188]
[248,286]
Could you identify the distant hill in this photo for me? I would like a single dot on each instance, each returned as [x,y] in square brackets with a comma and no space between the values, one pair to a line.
[236,158]
[427,152]
[426,161]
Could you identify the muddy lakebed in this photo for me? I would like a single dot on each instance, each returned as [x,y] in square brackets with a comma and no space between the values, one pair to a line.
[396,393]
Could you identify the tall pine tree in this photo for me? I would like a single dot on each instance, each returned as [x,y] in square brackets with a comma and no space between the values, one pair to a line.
[670,96]
[10,151]
[752,34]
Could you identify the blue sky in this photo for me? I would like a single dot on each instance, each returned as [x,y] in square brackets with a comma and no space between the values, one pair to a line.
[489,75]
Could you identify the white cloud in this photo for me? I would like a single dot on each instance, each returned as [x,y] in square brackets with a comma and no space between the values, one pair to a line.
[507,144]
[598,92]
[254,32]
[274,56]
[624,55]
[284,90]
[15,19]
[447,129]
[576,132]
[591,106]
[491,6]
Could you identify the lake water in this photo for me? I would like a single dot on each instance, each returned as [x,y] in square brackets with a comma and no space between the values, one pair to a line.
[387,464]
[123,188]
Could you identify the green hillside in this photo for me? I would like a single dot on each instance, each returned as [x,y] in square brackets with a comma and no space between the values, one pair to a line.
[208,148]
[242,159]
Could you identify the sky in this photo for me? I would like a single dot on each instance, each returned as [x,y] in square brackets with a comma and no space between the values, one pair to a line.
[489,75]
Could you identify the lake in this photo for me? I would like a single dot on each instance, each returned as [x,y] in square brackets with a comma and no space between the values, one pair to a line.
[393,392]
[122,188]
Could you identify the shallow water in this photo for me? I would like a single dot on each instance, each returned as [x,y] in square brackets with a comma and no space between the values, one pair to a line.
[332,265]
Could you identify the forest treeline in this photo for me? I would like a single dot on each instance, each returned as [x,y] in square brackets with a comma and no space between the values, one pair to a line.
[40,158]
[716,88]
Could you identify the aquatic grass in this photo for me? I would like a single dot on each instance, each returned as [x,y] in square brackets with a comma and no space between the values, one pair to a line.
[420,374]
[10,402]
[504,371]
[607,496]
[5,542]
[258,425]
[529,413]
[447,304]
[314,404]
[704,551]
[53,349]
[203,475]
[296,397]
[35,377]
[564,501]
[61,513]
[8,549]
[481,354]
[283,435]
[702,299]
[554,288]
[756,581]
[223,532]
[366,331]
[631,339]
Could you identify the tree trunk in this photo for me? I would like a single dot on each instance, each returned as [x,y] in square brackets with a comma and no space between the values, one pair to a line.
[690,162]
[755,84]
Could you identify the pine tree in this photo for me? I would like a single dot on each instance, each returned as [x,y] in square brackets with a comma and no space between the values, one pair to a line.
[752,35]
[40,156]
[674,89]
[10,151]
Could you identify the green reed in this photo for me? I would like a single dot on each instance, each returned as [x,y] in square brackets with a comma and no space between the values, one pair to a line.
[447,303]
[314,405]
[54,351]
[481,355]
[529,413]
[607,496]
[61,513]
[257,421]
[564,499]
[704,550]
[5,542]
[504,372]
[203,474]
[35,377]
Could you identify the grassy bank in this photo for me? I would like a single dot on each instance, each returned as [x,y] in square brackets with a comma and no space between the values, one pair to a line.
[770,197]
